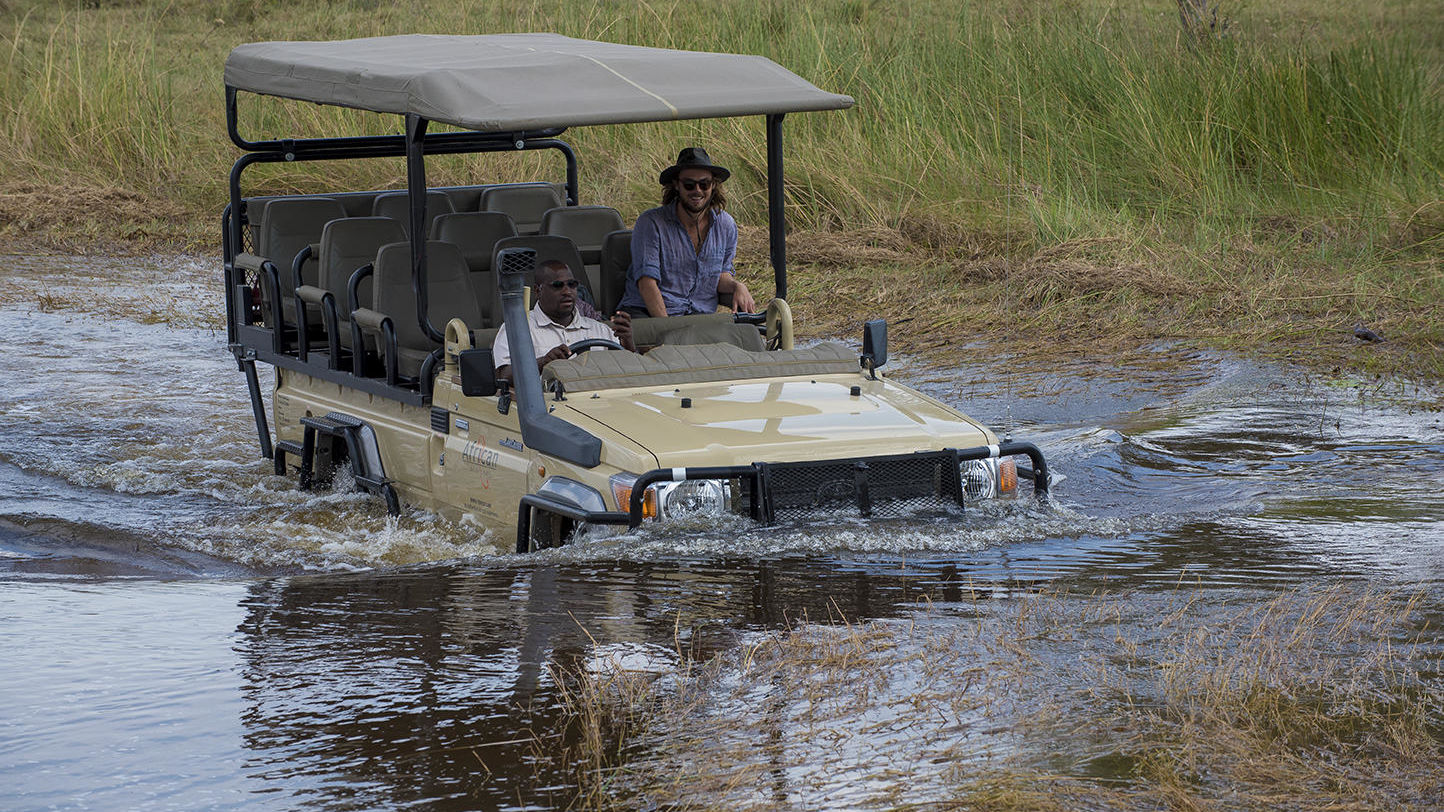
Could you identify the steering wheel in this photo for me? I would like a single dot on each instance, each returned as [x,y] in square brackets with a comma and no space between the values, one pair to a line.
[593,344]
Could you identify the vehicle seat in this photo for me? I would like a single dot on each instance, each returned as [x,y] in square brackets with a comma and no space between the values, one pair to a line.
[587,226]
[612,273]
[741,336]
[475,232]
[547,247]
[525,203]
[449,294]
[397,206]
[708,328]
[346,245]
[289,224]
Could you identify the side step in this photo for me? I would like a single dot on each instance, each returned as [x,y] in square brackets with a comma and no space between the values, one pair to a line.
[361,447]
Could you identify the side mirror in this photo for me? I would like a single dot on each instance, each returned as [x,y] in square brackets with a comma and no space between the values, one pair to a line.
[478,375]
[874,344]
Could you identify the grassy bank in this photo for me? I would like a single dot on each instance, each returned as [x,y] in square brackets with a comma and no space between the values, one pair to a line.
[1309,700]
[1023,173]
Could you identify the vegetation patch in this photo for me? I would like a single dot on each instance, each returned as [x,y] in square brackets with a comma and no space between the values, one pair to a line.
[1195,700]
[1261,177]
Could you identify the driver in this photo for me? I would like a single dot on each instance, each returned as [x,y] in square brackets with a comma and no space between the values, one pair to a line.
[555,322]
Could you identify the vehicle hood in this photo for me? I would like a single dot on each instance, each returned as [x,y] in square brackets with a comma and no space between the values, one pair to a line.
[776,421]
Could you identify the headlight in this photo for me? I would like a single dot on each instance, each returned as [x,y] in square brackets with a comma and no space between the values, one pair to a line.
[671,500]
[622,491]
[980,478]
[694,497]
[987,478]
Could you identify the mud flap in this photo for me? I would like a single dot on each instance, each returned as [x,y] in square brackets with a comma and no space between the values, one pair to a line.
[361,448]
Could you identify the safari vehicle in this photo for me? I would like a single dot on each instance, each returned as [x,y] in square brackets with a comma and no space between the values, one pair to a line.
[377,310]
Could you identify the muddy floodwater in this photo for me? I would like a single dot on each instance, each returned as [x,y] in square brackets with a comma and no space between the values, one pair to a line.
[181,629]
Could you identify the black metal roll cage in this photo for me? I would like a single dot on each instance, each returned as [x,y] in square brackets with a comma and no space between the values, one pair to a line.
[251,344]
[415,145]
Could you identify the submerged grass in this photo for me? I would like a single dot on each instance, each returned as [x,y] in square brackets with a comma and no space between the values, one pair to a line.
[1077,171]
[1309,700]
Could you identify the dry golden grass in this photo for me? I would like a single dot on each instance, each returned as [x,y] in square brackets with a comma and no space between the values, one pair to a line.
[83,218]
[945,297]
[1197,700]
[1027,174]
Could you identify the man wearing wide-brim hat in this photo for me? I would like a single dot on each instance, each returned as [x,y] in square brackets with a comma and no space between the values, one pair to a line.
[682,251]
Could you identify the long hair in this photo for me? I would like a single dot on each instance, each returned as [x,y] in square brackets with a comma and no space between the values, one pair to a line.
[718,202]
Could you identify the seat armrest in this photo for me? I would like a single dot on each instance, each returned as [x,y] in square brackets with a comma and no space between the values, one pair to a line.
[369,320]
[311,294]
[248,262]
[366,320]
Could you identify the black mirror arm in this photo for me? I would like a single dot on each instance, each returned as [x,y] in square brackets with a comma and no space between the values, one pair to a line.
[503,396]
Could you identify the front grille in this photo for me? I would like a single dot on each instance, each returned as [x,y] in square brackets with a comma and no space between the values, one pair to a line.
[881,487]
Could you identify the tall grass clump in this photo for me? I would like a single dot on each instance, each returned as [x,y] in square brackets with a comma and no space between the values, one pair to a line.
[1049,700]
[1082,133]
[81,103]
[1070,120]
[1280,171]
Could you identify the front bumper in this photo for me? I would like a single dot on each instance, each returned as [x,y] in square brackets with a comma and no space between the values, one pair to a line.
[775,491]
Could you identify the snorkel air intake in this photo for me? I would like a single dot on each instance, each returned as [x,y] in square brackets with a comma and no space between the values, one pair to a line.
[540,429]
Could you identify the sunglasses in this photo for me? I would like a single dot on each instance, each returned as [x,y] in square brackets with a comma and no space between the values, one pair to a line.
[564,283]
[696,183]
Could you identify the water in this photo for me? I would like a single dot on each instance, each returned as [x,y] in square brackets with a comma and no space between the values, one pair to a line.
[182,629]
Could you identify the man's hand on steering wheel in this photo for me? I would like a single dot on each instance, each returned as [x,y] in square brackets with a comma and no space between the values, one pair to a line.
[556,353]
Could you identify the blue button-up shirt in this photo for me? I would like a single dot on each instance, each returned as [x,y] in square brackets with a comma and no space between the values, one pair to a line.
[662,250]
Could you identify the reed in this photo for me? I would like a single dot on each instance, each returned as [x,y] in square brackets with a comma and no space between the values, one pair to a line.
[1051,700]
[1303,144]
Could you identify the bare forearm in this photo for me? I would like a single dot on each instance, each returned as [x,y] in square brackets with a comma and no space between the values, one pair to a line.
[652,296]
[742,301]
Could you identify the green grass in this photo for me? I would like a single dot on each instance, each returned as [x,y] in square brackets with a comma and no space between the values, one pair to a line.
[1304,143]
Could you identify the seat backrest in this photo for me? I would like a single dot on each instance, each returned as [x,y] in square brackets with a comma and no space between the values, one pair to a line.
[742,336]
[616,259]
[488,297]
[449,294]
[546,247]
[586,226]
[525,203]
[289,224]
[475,232]
[397,205]
[697,328]
[348,244]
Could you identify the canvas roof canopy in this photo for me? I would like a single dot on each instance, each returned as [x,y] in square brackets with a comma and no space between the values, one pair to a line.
[516,82]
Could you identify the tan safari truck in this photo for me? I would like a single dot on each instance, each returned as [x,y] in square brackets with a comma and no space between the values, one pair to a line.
[377,311]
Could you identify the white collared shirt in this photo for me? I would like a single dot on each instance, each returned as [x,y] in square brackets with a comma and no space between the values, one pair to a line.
[547,334]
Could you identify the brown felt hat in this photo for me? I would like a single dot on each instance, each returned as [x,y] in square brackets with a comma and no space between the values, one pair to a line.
[693,158]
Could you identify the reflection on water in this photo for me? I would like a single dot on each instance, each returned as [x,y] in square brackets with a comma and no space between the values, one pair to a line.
[186,630]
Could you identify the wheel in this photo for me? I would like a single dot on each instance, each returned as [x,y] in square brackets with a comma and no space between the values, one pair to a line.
[593,344]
